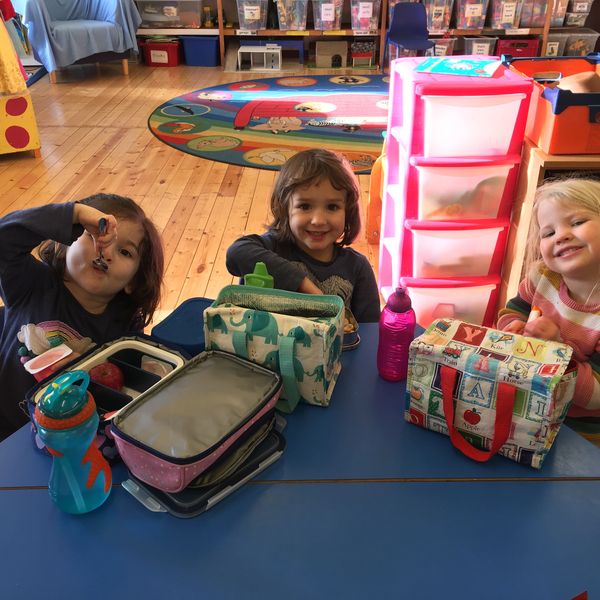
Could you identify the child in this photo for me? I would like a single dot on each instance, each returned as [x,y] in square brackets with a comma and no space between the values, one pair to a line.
[563,271]
[315,214]
[65,298]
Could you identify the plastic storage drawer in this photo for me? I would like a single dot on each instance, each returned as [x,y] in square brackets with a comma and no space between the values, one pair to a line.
[454,248]
[461,189]
[504,14]
[161,54]
[470,14]
[555,44]
[327,14]
[533,13]
[438,15]
[471,300]
[443,46]
[560,121]
[480,46]
[171,13]
[581,42]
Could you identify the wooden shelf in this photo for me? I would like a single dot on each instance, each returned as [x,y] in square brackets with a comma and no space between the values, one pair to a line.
[303,33]
[176,31]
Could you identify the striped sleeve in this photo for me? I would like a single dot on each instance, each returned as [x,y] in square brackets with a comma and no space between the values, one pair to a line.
[517,308]
[587,386]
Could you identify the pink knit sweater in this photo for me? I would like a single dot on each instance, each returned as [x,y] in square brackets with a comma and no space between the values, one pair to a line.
[579,326]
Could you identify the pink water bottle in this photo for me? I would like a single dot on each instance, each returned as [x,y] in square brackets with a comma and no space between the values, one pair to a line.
[396,332]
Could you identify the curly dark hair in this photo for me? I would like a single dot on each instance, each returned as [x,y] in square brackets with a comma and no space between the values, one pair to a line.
[147,282]
[304,169]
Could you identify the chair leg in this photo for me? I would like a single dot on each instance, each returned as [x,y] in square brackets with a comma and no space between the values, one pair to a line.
[52,76]
[125,64]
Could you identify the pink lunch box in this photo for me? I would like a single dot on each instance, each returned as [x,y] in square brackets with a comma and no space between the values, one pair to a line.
[178,429]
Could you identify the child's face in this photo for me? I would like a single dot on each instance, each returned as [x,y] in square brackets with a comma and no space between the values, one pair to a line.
[317,216]
[570,240]
[92,286]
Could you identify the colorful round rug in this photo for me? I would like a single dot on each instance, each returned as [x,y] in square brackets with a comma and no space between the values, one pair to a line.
[263,122]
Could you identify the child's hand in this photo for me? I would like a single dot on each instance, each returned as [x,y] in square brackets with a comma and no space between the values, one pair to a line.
[308,287]
[543,328]
[89,217]
[515,327]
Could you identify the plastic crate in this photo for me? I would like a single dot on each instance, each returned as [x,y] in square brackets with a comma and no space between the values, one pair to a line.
[533,13]
[581,42]
[252,14]
[560,121]
[575,19]
[470,14]
[438,15]
[504,14]
[480,46]
[201,51]
[364,14]
[171,13]
[443,46]
[292,14]
[163,53]
[327,14]
[518,47]
[555,44]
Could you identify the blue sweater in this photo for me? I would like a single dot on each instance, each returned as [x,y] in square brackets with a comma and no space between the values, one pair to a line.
[38,306]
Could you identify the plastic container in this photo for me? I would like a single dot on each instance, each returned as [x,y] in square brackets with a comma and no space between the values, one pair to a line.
[252,14]
[470,300]
[292,14]
[455,248]
[327,14]
[163,53]
[504,14]
[518,47]
[66,420]
[438,15]
[579,6]
[396,332]
[575,19]
[480,46]
[533,13]
[470,14]
[471,189]
[555,44]
[443,46]
[558,13]
[364,14]
[171,13]
[201,50]
[581,42]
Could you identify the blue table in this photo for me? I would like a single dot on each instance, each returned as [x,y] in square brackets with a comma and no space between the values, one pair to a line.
[489,540]
[362,435]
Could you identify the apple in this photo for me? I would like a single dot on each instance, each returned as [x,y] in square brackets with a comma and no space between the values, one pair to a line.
[108,374]
[472,417]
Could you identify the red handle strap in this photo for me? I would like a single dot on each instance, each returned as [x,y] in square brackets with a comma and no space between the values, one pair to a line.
[505,399]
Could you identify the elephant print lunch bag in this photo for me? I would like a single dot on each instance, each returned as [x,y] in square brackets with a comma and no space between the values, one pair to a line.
[298,335]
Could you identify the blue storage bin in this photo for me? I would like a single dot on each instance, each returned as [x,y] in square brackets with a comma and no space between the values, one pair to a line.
[201,50]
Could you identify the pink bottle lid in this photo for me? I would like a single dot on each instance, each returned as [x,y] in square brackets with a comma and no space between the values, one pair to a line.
[399,301]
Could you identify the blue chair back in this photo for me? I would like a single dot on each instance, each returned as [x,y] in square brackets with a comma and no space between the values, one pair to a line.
[408,27]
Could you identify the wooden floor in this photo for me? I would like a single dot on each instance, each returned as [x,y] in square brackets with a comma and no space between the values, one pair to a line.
[95,139]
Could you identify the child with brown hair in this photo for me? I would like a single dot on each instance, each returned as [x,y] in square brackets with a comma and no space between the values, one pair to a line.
[67,297]
[315,211]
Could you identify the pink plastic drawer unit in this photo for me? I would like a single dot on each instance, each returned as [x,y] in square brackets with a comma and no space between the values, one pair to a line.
[447,115]
[437,249]
[446,189]
[470,299]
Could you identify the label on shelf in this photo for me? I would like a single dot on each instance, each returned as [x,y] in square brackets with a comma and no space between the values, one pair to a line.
[517,31]
[359,33]
[246,32]
[290,32]
[334,32]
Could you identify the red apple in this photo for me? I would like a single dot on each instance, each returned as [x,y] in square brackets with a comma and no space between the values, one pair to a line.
[107,374]
[472,417]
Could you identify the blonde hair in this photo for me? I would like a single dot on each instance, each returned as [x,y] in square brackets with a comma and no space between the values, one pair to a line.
[577,192]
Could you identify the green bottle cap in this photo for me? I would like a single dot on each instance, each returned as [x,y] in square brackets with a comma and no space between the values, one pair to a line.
[260,277]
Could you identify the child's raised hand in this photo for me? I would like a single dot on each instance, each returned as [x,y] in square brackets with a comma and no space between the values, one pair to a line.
[89,217]
[543,328]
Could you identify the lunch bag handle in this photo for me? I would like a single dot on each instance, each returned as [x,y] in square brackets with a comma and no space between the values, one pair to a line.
[285,353]
[505,399]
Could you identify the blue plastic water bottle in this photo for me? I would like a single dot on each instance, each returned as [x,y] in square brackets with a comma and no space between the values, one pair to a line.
[66,418]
